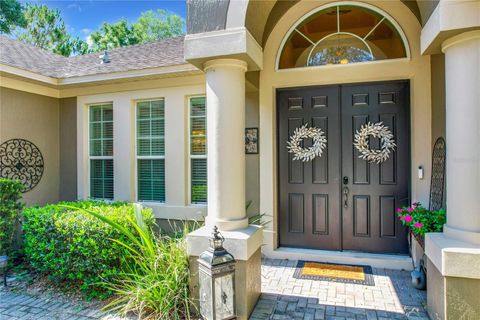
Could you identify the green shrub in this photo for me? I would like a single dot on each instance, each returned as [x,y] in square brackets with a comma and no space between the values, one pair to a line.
[69,245]
[10,208]
[154,283]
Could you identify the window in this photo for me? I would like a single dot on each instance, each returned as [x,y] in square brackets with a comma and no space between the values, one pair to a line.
[198,150]
[340,35]
[101,151]
[151,150]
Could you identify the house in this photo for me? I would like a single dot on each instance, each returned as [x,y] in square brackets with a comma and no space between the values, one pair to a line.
[133,125]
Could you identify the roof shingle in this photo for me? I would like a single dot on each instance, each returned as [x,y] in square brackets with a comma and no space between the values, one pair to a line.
[161,53]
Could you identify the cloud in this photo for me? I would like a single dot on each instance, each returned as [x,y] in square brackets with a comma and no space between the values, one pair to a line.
[75,6]
[89,41]
[86,31]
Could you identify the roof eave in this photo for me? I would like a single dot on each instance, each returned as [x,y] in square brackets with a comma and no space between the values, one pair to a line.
[181,69]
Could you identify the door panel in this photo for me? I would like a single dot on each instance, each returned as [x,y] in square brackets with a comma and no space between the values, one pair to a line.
[312,211]
[309,191]
[375,190]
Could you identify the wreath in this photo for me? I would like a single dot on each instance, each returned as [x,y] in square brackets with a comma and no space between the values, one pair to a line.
[377,130]
[307,154]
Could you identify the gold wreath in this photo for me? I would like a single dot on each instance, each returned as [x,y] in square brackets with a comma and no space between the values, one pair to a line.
[307,154]
[377,130]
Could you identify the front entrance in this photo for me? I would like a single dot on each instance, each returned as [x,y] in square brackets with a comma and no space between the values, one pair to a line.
[339,201]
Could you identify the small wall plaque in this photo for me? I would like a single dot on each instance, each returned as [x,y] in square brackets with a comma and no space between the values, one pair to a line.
[251,141]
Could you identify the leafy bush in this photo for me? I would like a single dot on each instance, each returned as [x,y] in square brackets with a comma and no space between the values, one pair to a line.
[72,246]
[10,208]
[155,275]
[421,220]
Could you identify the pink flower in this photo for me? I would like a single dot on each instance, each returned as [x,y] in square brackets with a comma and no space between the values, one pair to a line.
[415,205]
[410,209]
[399,210]
[402,217]
[408,218]
[418,225]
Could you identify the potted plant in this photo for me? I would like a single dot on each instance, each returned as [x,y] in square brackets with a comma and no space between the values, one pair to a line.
[10,208]
[420,220]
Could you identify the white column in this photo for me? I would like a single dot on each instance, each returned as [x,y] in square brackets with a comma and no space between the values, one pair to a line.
[462,72]
[225,80]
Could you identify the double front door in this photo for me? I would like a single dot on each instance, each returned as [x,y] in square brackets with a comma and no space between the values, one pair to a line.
[338,201]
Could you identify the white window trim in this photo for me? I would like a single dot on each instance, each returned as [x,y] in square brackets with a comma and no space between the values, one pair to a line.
[191,156]
[137,157]
[89,157]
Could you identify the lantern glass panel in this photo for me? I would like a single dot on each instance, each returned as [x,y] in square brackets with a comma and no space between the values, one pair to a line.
[224,297]
[205,295]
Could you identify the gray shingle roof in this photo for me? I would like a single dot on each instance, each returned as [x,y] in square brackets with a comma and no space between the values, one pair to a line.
[161,53]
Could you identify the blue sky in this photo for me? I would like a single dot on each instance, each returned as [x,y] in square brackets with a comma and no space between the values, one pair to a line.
[85,16]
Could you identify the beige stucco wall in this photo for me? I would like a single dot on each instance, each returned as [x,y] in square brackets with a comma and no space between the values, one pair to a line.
[68,149]
[416,68]
[252,163]
[438,96]
[35,118]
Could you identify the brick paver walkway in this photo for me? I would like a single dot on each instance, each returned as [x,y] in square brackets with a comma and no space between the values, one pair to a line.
[17,306]
[284,297]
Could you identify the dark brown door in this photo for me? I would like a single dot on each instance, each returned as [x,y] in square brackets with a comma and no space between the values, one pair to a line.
[375,190]
[314,211]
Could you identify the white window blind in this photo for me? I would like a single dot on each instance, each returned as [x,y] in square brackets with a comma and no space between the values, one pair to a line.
[151,150]
[198,150]
[101,151]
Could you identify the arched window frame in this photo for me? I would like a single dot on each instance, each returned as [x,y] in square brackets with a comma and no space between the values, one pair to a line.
[385,16]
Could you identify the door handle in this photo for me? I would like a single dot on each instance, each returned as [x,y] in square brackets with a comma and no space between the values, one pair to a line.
[345,197]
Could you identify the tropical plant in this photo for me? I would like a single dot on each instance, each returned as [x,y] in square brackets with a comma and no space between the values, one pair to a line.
[73,247]
[421,220]
[10,210]
[154,279]
[11,15]
[46,29]
[258,219]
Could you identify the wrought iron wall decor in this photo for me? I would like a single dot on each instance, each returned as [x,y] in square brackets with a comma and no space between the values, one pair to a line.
[21,160]
[437,183]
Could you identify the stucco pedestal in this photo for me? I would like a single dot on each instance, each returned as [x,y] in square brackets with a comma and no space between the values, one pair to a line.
[244,245]
[453,278]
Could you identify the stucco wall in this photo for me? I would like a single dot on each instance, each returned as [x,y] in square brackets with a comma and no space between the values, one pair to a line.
[35,118]
[438,96]
[68,149]
[252,161]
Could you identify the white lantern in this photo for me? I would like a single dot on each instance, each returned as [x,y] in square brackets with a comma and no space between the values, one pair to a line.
[217,281]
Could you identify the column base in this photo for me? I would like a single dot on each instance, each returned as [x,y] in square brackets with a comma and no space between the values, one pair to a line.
[453,278]
[245,246]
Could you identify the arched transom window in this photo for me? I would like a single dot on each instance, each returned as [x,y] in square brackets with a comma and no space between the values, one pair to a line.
[342,34]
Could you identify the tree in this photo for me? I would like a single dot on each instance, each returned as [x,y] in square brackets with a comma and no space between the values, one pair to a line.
[114,35]
[150,26]
[11,15]
[45,29]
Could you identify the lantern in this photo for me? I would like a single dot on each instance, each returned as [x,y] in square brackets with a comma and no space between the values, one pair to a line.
[217,280]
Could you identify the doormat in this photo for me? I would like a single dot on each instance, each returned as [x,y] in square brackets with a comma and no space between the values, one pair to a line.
[357,274]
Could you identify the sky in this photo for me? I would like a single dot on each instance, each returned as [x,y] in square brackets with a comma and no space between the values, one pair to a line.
[84,16]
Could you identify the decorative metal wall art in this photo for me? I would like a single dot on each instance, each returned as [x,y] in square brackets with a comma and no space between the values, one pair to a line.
[21,160]
[307,154]
[376,130]
[437,183]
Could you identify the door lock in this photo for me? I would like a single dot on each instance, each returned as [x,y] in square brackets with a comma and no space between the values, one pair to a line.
[345,180]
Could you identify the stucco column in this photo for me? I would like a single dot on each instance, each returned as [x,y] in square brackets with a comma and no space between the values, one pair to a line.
[225,81]
[462,73]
